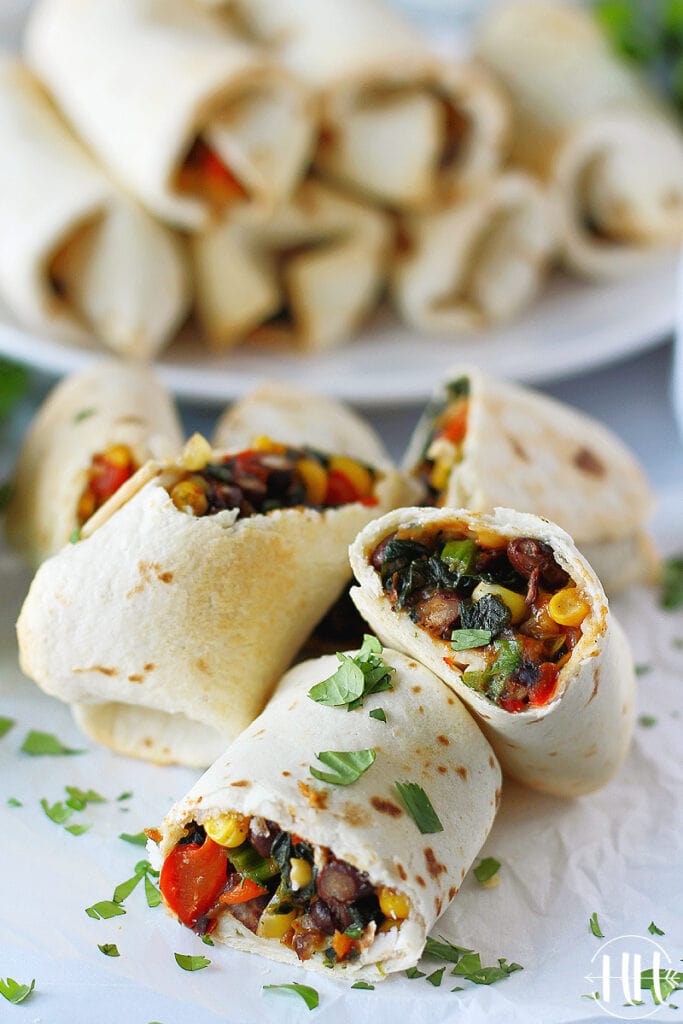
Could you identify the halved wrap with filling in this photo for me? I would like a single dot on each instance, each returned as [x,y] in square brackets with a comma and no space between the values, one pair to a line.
[79,259]
[270,858]
[484,442]
[307,276]
[478,261]
[191,118]
[509,614]
[194,586]
[398,125]
[91,434]
[589,126]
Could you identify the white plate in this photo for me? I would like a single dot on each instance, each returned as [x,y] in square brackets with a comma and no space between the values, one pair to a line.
[574,327]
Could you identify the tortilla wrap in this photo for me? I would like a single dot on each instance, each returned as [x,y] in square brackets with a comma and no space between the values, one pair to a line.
[581,736]
[299,418]
[586,124]
[317,265]
[527,451]
[110,403]
[173,613]
[479,261]
[398,125]
[79,260]
[428,738]
[143,80]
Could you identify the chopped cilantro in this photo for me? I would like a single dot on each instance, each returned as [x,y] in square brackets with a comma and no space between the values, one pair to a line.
[57,812]
[13,384]
[347,765]
[124,889]
[77,830]
[466,639]
[486,869]
[308,994]
[207,940]
[435,977]
[75,535]
[152,894]
[83,414]
[413,972]
[419,807]
[672,584]
[669,981]
[642,670]
[104,910]
[40,744]
[80,798]
[109,949]
[647,720]
[595,927]
[364,985]
[356,678]
[654,930]
[14,991]
[5,725]
[379,714]
[13,802]
[124,796]
[137,839]
[442,949]
[191,963]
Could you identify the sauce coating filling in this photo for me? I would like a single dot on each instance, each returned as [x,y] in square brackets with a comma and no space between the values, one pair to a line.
[273,476]
[278,886]
[509,613]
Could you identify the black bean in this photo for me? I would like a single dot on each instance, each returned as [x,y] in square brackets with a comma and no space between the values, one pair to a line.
[195,834]
[249,912]
[340,882]
[526,554]
[262,835]
[377,556]
[322,917]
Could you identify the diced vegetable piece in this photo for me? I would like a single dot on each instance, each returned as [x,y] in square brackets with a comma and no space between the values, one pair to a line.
[393,904]
[358,476]
[489,539]
[243,890]
[567,607]
[341,944]
[191,879]
[455,427]
[314,476]
[274,926]
[340,490]
[300,873]
[515,602]
[544,688]
[438,478]
[228,830]
[247,861]
[460,555]
[189,494]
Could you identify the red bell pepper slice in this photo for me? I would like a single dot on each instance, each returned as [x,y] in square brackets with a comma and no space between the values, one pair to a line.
[241,890]
[192,878]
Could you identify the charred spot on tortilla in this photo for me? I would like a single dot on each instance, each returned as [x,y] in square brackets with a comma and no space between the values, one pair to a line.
[149,667]
[517,448]
[588,462]
[165,577]
[136,678]
[492,763]
[102,669]
[356,815]
[434,866]
[420,881]
[241,783]
[386,807]
[316,797]
[443,740]
[442,769]
[462,772]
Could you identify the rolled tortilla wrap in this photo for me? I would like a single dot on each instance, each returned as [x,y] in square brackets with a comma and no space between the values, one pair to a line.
[91,434]
[298,417]
[586,124]
[534,642]
[428,738]
[78,259]
[400,126]
[479,261]
[307,276]
[186,597]
[484,442]
[189,117]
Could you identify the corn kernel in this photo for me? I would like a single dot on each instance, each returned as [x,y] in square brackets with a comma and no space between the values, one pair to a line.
[567,607]
[515,602]
[438,478]
[188,494]
[196,453]
[489,539]
[263,443]
[274,926]
[314,477]
[358,475]
[228,830]
[118,455]
[86,506]
[387,925]
[300,873]
[393,904]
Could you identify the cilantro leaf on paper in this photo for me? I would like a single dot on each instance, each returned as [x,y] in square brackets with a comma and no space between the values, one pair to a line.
[207,940]
[435,977]
[419,807]
[5,725]
[105,909]
[379,714]
[124,796]
[58,812]
[442,949]
[40,744]
[595,927]
[486,869]
[647,721]
[80,798]
[152,894]
[669,981]
[124,889]
[364,985]
[654,930]
[413,972]
[308,994]
[138,839]
[14,991]
[191,963]
[77,830]
[109,949]
[13,802]
[347,765]
[356,678]
[672,584]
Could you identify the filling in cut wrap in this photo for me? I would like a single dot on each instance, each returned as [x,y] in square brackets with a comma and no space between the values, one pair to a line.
[443,445]
[277,885]
[108,471]
[508,615]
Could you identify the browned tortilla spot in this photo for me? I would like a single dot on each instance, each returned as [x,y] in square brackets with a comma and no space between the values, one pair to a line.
[356,815]
[438,903]
[402,872]
[286,774]
[592,751]
[420,710]
[147,742]
[417,689]
[452,892]
[97,668]
[203,666]
[135,679]
[588,462]
[386,807]
[316,798]
[146,569]
[462,872]
[462,772]
[596,684]
[498,796]
[420,881]
[292,705]
[150,666]
[517,448]
[442,769]
[492,763]
[260,732]
[444,740]
[434,867]
[241,783]
[130,419]
[450,700]
[552,753]
[412,664]
[165,577]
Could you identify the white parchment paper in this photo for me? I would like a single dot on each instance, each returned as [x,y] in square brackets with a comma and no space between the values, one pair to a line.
[618,853]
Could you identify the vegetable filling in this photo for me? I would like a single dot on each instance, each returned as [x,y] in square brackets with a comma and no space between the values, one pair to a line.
[278,886]
[203,174]
[272,476]
[107,472]
[511,614]
[443,448]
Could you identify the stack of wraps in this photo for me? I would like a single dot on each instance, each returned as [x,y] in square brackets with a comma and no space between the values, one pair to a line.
[586,124]
[171,629]
[428,738]
[484,442]
[565,742]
